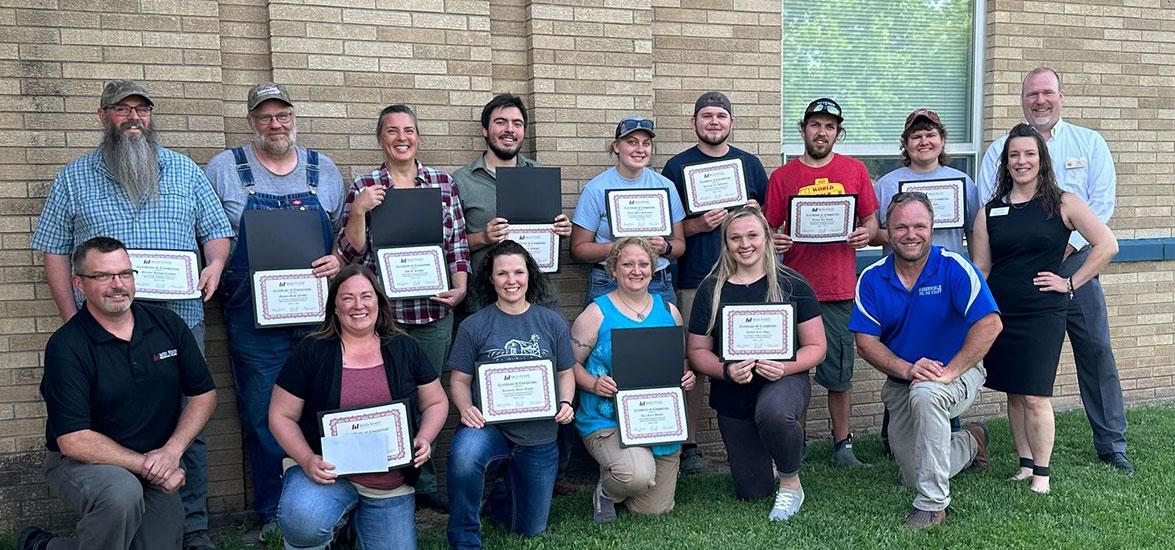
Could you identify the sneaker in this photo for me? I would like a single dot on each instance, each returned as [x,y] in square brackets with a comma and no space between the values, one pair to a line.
[603,509]
[1119,461]
[787,503]
[564,485]
[198,540]
[843,455]
[436,502]
[33,538]
[923,519]
[269,530]
[978,430]
[691,461]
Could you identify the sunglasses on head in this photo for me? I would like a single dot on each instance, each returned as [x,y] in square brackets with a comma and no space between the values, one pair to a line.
[630,124]
[910,196]
[824,107]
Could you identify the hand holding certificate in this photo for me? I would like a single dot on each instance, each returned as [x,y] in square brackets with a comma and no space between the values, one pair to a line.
[946,196]
[715,185]
[758,331]
[517,390]
[822,218]
[390,421]
[651,416]
[166,274]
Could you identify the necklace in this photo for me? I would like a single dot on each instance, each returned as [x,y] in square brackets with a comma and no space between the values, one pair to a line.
[640,315]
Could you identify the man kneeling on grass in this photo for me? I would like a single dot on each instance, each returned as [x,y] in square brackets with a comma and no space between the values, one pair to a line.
[925,317]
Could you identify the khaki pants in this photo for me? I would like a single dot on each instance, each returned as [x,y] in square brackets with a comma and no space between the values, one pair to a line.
[645,483]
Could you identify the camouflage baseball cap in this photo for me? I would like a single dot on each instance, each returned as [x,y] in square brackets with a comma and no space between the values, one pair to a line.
[266,91]
[118,90]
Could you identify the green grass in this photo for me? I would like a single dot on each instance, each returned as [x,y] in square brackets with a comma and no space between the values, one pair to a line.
[1092,506]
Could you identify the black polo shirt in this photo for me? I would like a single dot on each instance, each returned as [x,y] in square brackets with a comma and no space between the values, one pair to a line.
[127,391]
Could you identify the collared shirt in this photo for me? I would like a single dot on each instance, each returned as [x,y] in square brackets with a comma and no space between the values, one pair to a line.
[1082,163]
[413,311]
[479,198]
[929,320]
[87,201]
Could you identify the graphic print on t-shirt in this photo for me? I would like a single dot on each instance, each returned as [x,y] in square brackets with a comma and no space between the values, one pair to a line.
[822,187]
[516,349]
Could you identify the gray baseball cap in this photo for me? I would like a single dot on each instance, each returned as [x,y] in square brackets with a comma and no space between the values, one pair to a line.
[266,91]
[118,90]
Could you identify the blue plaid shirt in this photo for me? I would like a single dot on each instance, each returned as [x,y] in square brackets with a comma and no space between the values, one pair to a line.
[86,201]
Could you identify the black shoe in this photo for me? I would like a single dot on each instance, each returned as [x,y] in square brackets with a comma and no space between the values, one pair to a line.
[33,538]
[1119,461]
[436,502]
[198,540]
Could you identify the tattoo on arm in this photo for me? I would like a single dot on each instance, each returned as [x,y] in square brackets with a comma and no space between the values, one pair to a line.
[579,344]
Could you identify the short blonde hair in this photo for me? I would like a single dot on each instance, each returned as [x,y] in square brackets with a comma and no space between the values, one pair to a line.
[618,245]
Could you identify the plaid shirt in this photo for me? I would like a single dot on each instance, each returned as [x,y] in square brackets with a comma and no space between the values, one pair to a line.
[413,311]
[86,201]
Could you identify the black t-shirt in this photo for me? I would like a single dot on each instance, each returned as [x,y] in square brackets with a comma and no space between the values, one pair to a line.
[127,391]
[738,400]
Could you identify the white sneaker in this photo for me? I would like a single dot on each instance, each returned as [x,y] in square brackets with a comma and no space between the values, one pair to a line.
[787,504]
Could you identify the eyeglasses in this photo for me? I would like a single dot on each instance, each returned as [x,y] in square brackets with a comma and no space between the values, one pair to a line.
[633,124]
[825,107]
[281,118]
[107,277]
[125,110]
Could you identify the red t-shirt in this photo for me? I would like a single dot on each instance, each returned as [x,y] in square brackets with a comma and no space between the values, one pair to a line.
[368,387]
[831,268]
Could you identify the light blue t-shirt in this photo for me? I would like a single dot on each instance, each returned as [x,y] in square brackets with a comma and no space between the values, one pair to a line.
[950,239]
[591,212]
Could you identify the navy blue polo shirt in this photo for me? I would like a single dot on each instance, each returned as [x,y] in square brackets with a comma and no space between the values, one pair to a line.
[127,391]
[930,320]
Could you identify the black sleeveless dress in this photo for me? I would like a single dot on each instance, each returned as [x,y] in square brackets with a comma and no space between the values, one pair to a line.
[1024,241]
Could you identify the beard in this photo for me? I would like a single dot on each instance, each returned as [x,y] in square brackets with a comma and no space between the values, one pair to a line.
[276,146]
[813,150]
[134,161]
[712,141]
[502,154]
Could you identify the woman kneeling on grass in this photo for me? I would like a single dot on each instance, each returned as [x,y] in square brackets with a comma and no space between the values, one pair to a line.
[644,478]
[759,401]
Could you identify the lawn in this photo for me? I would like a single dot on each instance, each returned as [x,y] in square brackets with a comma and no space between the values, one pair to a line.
[1092,506]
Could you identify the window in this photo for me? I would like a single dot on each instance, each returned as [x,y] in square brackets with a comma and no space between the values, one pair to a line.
[881,59]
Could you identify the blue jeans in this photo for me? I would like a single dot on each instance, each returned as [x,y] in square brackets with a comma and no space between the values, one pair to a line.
[601,283]
[520,501]
[308,513]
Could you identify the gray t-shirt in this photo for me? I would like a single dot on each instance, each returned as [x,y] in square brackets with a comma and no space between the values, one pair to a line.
[222,172]
[950,239]
[494,336]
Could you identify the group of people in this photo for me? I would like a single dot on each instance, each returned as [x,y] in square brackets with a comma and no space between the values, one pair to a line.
[128,391]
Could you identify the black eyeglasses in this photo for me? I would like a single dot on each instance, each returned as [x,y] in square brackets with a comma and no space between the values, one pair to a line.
[107,277]
[634,123]
[281,118]
[125,110]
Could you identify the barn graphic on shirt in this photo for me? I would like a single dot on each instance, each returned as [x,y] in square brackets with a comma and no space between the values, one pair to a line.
[520,349]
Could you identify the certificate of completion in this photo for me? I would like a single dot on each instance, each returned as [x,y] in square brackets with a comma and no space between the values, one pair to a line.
[651,416]
[517,390]
[757,331]
[540,241]
[822,218]
[715,185]
[639,212]
[288,297]
[946,196]
[166,274]
[413,271]
[391,419]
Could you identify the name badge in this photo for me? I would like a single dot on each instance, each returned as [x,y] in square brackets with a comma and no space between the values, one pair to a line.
[1001,211]
[1074,163]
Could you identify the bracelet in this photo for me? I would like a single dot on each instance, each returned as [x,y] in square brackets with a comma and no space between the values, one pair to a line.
[566,401]
[1069,282]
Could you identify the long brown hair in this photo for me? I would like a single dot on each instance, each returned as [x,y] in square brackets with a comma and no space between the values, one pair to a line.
[385,326]
[1046,180]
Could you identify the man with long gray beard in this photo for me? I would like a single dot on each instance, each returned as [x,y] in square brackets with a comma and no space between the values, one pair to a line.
[150,198]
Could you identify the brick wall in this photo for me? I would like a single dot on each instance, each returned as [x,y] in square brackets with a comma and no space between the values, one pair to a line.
[581,66]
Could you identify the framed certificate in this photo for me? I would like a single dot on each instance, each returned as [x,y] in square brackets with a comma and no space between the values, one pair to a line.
[822,218]
[166,274]
[288,297]
[651,416]
[715,185]
[947,196]
[413,271]
[517,390]
[540,241]
[638,212]
[392,420]
[757,331]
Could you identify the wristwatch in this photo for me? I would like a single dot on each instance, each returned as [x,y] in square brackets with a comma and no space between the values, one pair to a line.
[668,247]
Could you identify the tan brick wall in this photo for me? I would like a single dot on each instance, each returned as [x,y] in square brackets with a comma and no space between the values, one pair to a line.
[580,66]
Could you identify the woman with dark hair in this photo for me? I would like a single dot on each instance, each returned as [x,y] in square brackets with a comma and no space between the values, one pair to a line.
[514,328]
[759,401]
[357,358]
[1019,241]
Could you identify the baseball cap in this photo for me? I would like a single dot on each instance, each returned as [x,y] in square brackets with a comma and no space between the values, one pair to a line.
[633,123]
[266,91]
[824,106]
[922,113]
[118,90]
[713,99]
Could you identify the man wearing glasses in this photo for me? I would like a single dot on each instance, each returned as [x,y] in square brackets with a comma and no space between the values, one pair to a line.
[114,374]
[924,317]
[830,268]
[272,172]
[150,198]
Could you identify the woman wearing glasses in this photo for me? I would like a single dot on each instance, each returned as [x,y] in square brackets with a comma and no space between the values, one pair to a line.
[759,401]
[591,235]
[1020,239]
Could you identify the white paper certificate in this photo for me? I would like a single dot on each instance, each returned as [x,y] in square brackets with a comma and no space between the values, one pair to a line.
[639,212]
[413,271]
[517,390]
[540,241]
[946,196]
[651,417]
[390,419]
[715,185]
[166,274]
[822,218]
[757,331]
[289,297]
